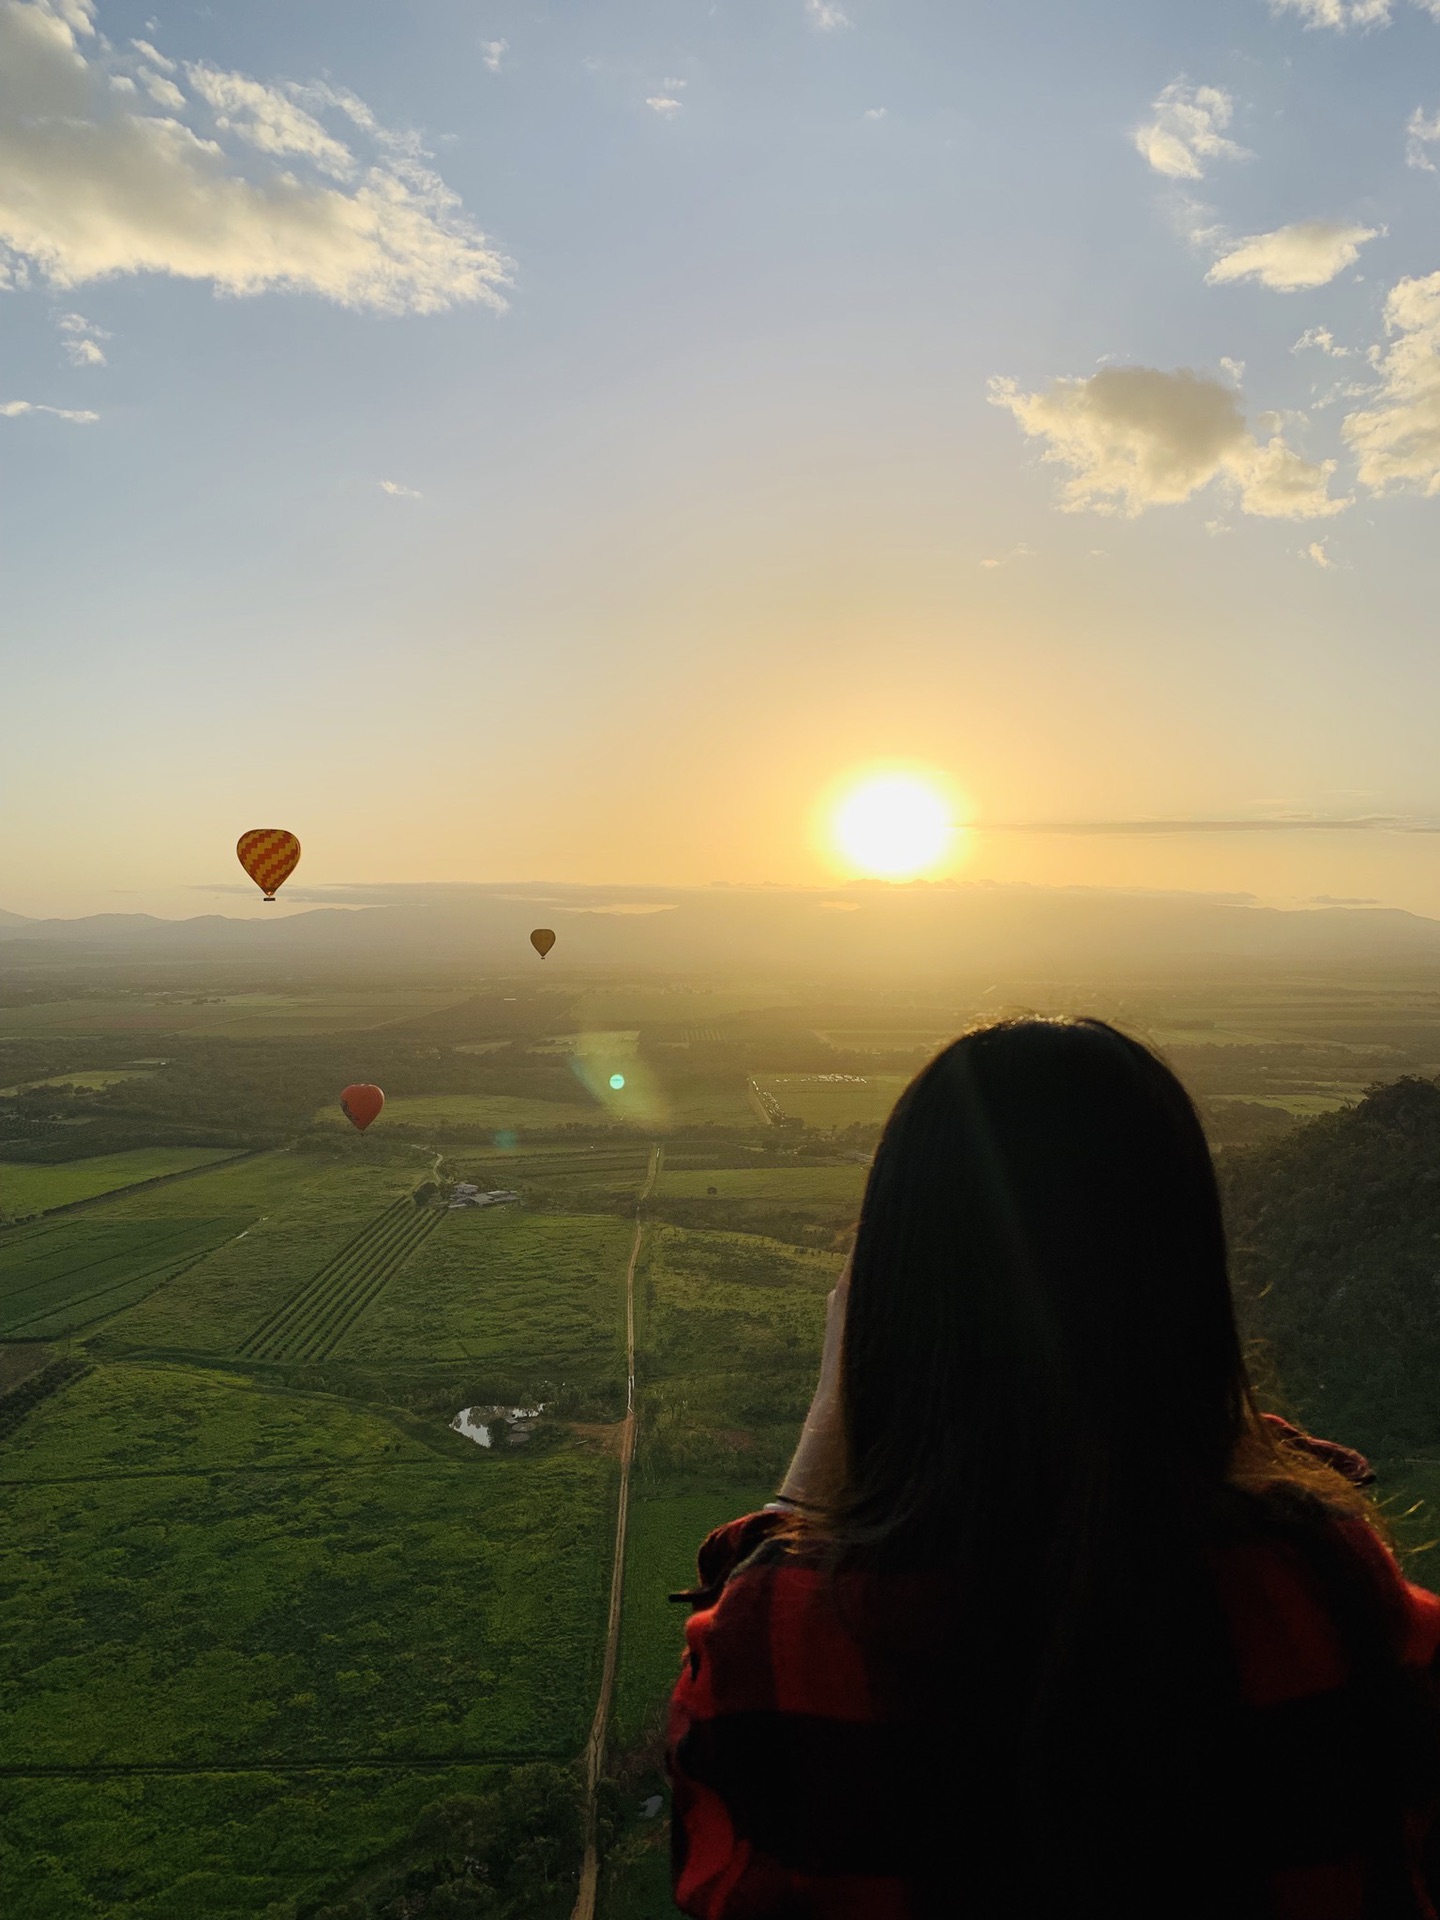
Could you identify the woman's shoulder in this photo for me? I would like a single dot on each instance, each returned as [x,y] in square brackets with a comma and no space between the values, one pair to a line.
[753,1541]
[1286,1635]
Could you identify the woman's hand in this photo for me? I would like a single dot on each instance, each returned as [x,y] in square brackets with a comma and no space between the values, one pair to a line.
[818,1469]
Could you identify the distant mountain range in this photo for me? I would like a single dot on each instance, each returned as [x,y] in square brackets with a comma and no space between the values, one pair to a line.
[880,930]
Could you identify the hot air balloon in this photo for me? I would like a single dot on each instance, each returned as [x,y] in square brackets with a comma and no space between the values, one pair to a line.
[269,855]
[542,939]
[360,1104]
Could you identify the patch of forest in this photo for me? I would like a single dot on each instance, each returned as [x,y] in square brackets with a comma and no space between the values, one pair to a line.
[1335,1251]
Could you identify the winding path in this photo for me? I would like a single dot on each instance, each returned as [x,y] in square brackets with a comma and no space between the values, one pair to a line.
[584,1908]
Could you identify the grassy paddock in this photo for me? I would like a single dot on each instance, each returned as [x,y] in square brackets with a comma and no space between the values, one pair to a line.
[490,1112]
[230,1846]
[27,1189]
[307,1209]
[728,1334]
[786,1186]
[59,1277]
[822,1102]
[288,1582]
[533,1299]
[665,1532]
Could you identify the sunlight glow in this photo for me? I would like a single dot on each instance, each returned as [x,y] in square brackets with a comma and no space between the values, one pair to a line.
[894,826]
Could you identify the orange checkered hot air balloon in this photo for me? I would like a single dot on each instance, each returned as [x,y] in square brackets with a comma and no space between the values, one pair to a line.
[361,1103]
[269,855]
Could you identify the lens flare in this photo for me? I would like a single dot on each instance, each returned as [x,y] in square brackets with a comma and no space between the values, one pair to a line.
[617,1081]
[893,826]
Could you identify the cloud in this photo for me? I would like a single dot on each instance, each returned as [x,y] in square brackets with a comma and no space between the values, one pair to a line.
[269,120]
[82,340]
[1339,14]
[1421,132]
[664,104]
[825,16]
[399,491]
[1322,339]
[1021,552]
[154,56]
[493,52]
[1306,823]
[1397,442]
[1188,128]
[1136,437]
[258,195]
[1316,551]
[1342,900]
[79,416]
[873,113]
[1308,254]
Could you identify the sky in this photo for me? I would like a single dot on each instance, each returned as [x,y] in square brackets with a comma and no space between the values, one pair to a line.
[572,441]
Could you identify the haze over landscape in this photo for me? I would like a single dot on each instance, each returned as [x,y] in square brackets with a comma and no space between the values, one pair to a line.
[742,537]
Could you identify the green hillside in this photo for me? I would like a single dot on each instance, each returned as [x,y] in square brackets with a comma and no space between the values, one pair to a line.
[1335,1234]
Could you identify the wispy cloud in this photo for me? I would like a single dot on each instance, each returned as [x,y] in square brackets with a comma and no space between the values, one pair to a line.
[399,491]
[825,16]
[1308,254]
[1421,133]
[1323,341]
[665,104]
[1188,129]
[1307,823]
[1397,441]
[249,190]
[1137,437]
[1022,552]
[80,416]
[493,52]
[1337,14]
[1319,553]
[82,340]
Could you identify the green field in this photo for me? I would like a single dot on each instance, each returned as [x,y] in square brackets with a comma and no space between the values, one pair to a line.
[536,1301]
[825,1101]
[489,1112]
[235,1014]
[55,1278]
[306,1209]
[26,1190]
[91,1079]
[225,1846]
[783,1186]
[665,1531]
[220,1580]
[728,1331]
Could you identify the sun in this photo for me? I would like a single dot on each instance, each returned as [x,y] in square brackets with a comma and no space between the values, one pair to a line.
[893,826]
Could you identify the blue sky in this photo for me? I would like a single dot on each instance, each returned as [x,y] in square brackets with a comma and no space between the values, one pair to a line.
[675,332]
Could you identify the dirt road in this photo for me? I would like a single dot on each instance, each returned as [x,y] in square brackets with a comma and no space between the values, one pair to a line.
[584,1908]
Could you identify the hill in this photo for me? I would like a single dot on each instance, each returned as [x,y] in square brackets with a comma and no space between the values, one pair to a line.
[1335,1237]
[889,932]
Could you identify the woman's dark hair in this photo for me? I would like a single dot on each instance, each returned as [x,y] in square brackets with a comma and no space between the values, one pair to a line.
[1045,1398]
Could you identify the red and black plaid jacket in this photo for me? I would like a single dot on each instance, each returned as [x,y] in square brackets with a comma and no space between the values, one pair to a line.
[794,1791]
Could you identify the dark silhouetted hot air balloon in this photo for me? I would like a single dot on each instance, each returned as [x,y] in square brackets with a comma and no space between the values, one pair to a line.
[269,855]
[542,939]
[360,1104]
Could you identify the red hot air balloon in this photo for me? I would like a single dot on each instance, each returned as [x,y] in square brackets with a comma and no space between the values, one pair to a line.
[542,939]
[269,855]
[361,1104]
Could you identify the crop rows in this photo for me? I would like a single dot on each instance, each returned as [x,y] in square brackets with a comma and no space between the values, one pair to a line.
[312,1324]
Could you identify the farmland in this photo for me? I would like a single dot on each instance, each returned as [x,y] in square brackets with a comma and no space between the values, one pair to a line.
[28,1190]
[270,1627]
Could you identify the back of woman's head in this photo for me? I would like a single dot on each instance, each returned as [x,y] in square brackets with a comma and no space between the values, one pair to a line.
[1044,1399]
[1039,1284]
